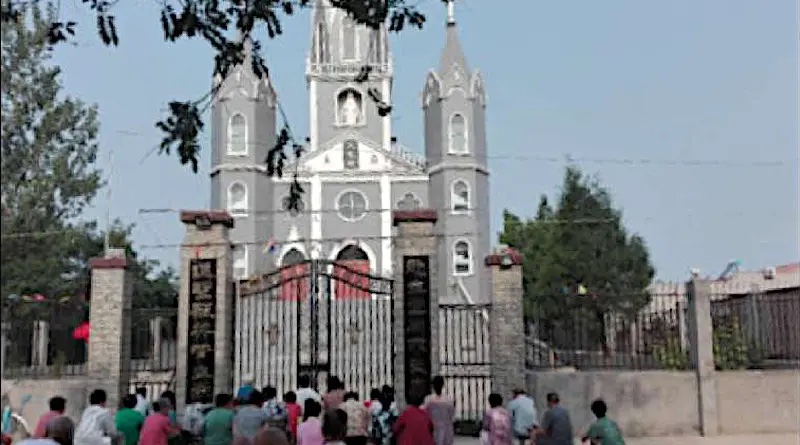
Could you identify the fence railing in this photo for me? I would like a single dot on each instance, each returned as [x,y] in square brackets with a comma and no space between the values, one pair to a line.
[577,333]
[154,349]
[38,340]
[758,330]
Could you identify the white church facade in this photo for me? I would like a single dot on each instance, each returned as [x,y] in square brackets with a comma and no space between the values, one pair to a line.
[354,172]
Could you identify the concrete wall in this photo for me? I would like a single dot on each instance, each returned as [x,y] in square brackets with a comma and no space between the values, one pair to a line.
[662,403]
[758,401]
[75,390]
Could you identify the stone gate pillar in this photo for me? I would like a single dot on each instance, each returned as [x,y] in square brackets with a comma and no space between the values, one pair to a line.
[110,320]
[507,334]
[205,308]
[416,302]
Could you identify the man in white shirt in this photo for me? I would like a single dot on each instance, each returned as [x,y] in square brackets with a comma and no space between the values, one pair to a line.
[59,431]
[305,392]
[97,425]
[142,405]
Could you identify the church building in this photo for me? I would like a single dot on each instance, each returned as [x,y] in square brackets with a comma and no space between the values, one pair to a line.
[354,172]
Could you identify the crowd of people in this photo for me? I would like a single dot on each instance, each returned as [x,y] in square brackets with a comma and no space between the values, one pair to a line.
[306,417]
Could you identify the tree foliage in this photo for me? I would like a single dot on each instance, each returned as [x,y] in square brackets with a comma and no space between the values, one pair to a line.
[579,257]
[49,177]
[226,26]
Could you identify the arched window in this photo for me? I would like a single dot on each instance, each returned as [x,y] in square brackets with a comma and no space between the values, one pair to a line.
[349,39]
[351,273]
[294,276]
[349,108]
[237,199]
[240,262]
[458,134]
[462,258]
[237,135]
[459,196]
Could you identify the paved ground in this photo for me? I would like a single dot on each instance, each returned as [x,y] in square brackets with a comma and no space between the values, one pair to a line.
[772,439]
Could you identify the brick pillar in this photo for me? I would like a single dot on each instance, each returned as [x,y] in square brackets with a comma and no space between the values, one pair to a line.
[110,319]
[507,335]
[701,340]
[414,236]
[206,238]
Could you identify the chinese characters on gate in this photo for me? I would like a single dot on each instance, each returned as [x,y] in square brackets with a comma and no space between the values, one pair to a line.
[416,313]
[202,322]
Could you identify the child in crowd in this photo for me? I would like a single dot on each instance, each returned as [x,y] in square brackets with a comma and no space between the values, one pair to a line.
[604,431]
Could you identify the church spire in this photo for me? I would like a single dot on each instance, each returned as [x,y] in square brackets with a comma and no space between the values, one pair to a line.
[452,54]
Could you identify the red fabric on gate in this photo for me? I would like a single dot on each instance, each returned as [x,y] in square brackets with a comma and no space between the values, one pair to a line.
[81,332]
[350,285]
[295,282]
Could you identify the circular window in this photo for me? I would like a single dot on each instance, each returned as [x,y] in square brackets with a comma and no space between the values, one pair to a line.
[286,206]
[352,205]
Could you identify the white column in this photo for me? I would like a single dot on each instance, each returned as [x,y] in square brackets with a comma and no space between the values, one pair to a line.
[316,208]
[387,120]
[386,224]
[313,129]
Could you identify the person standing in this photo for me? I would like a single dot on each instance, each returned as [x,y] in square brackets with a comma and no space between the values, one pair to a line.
[142,405]
[249,419]
[158,428]
[218,423]
[310,431]
[523,415]
[358,419]
[497,422]
[97,424]
[294,414]
[335,395]
[604,431]
[129,420]
[556,427]
[442,410]
[305,392]
[334,426]
[58,405]
[274,409]
[414,426]
[59,431]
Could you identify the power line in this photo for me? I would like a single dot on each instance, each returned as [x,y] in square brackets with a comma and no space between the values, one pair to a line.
[566,158]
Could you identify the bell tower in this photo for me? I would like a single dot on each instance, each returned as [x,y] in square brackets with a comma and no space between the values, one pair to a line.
[349,72]
[453,103]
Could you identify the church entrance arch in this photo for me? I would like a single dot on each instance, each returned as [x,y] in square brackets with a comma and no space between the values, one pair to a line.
[318,318]
[351,266]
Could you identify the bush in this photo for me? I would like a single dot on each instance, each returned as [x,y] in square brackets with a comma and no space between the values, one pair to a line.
[671,355]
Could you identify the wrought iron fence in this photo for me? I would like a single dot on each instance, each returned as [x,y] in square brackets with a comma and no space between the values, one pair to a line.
[154,348]
[580,333]
[757,330]
[465,360]
[39,339]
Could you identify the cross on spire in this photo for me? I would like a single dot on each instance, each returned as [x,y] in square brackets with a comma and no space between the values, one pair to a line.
[451,12]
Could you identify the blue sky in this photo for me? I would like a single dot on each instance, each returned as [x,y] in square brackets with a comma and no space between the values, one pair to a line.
[672,82]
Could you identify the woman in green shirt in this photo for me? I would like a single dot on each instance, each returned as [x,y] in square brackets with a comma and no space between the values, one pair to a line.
[129,421]
[604,431]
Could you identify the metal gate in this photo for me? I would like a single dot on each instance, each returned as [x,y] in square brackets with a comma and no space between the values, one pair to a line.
[317,318]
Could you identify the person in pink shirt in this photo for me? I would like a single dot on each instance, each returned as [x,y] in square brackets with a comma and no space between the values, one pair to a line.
[157,428]
[310,431]
[58,405]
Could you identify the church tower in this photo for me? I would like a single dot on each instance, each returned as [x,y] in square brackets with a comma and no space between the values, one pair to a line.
[339,106]
[243,131]
[453,102]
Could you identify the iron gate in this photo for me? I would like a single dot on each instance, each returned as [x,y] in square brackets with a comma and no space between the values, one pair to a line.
[317,318]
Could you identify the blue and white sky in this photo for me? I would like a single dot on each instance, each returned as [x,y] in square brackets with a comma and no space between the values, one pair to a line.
[669,82]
